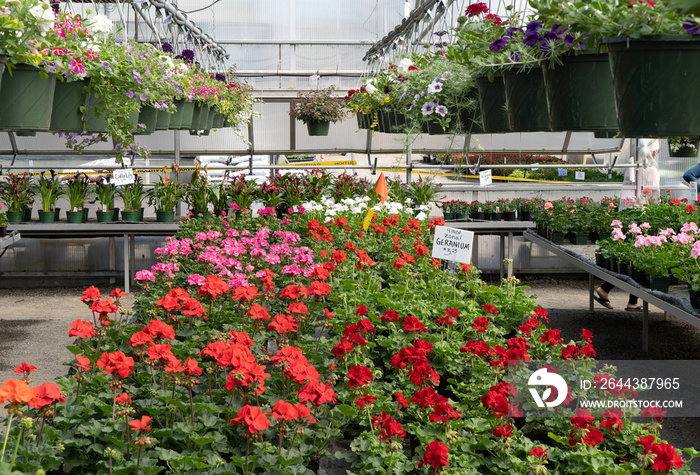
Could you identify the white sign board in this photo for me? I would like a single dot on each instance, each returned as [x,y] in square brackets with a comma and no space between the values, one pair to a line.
[485,177]
[561,171]
[580,175]
[453,244]
[693,191]
[123,176]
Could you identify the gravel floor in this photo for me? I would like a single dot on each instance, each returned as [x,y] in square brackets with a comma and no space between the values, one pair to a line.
[34,327]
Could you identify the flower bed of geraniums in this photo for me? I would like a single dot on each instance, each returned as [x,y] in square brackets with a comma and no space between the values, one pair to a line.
[252,347]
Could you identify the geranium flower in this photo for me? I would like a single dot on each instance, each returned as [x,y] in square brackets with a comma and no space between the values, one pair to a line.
[283,324]
[141,424]
[435,455]
[90,294]
[364,400]
[412,324]
[83,363]
[16,391]
[116,362]
[25,368]
[46,394]
[359,375]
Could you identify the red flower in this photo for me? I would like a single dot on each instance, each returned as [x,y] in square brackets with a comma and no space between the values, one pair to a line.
[253,418]
[427,397]
[141,424]
[667,458]
[117,293]
[582,418]
[477,348]
[104,307]
[476,9]
[160,352]
[389,427]
[16,391]
[168,303]
[359,376]
[293,292]
[444,411]
[213,287]
[593,437]
[490,309]
[390,315]
[123,398]
[193,308]
[539,452]
[25,368]
[116,362]
[361,310]
[586,335]
[613,420]
[501,431]
[90,295]
[284,410]
[297,307]
[401,399]
[47,393]
[257,312]
[551,336]
[480,324]
[283,324]
[435,455]
[412,324]
[140,338]
[247,293]
[364,400]
[192,367]
[159,329]
[655,412]
[81,329]
[83,363]
[647,442]
[319,288]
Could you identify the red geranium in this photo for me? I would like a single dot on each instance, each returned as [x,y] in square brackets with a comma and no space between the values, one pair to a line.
[435,455]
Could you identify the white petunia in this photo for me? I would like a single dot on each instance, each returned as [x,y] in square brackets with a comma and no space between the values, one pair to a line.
[404,64]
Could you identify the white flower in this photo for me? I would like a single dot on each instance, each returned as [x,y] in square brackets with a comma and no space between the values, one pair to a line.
[44,15]
[100,26]
[435,86]
[421,216]
[404,64]
[370,87]
[441,111]
[428,108]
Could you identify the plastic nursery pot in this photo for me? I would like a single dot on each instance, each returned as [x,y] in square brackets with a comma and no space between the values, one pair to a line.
[148,116]
[526,100]
[131,215]
[165,216]
[655,83]
[68,98]
[105,216]
[580,93]
[492,102]
[182,118]
[26,100]
[74,217]
[316,128]
[47,216]
[98,123]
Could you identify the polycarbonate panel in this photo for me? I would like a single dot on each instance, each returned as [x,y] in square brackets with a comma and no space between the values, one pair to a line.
[256,57]
[271,130]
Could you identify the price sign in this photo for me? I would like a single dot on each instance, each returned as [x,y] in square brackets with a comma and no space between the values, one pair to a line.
[580,176]
[535,168]
[485,177]
[123,176]
[453,244]
[561,171]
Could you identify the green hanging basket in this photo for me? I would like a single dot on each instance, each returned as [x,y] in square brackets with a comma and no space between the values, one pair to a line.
[163,120]
[98,123]
[68,98]
[317,128]
[526,99]
[182,118]
[3,59]
[148,116]
[580,93]
[26,100]
[492,104]
[199,117]
[218,121]
[656,81]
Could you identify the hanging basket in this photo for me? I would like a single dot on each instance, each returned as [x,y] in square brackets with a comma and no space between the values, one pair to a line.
[26,100]
[470,121]
[580,93]
[68,98]
[317,128]
[364,121]
[218,121]
[98,123]
[182,119]
[163,120]
[3,59]
[526,99]
[492,103]
[199,117]
[656,81]
[148,116]
[685,151]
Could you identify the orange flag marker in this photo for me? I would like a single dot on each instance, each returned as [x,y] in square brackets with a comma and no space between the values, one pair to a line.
[381,188]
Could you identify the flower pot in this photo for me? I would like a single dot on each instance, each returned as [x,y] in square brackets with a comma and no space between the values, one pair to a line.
[316,128]
[526,99]
[201,214]
[98,123]
[624,268]
[655,81]
[3,60]
[492,102]
[600,261]
[463,216]
[580,93]
[47,216]
[509,216]
[578,238]
[148,116]
[685,151]
[660,284]
[640,276]
[131,215]
[496,216]
[85,215]
[199,117]
[694,297]
[74,217]
[163,120]
[165,216]
[525,215]
[68,98]
[141,214]
[448,216]
[557,237]
[26,99]
[210,119]
[105,216]
[480,215]
[57,214]
[182,118]
[115,215]
[3,231]
[217,121]
[27,214]
[470,121]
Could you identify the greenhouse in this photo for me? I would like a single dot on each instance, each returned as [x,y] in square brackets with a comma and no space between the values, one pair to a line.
[302,237]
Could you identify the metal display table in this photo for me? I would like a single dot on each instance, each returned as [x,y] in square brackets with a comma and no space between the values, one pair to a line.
[677,307]
[500,228]
[127,230]
[8,240]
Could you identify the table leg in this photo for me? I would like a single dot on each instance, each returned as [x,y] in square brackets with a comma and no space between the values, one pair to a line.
[126,263]
[132,255]
[510,254]
[501,254]
[591,290]
[112,258]
[645,328]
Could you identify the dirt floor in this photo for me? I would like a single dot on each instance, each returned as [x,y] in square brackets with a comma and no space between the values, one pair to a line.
[34,327]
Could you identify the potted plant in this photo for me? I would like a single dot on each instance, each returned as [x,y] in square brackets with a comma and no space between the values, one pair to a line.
[132,195]
[317,109]
[50,189]
[17,192]
[3,222]
[77,192]
[105,193]
[683,147]
[165,195]
[197,193]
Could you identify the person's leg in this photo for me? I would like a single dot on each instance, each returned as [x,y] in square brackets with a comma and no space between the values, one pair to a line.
[601,294]
[632,303]
[693,174]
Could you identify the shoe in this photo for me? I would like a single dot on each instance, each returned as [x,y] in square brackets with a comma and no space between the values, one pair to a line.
[604,302]
[633,309]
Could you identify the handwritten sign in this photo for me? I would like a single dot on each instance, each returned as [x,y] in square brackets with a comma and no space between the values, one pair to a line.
[453,244]
[485,177]
[124,176]
[580,175]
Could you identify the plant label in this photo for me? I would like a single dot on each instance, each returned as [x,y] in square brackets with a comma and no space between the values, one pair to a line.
[535,168]
[485,177]
[580,175]
[124,176]
[561,171]
[693,191]
[453,244]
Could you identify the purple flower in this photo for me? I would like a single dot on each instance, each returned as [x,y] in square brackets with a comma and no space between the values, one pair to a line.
[129,94]
[441,110]
[498,44]
[428,108]
[531,39]
[55,4]
[220,77]
[532,27]
[691,26]
[167,47]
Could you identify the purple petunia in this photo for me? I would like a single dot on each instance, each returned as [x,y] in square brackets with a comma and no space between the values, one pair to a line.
[498,44]
[691,26]
[441,110]
[167,48]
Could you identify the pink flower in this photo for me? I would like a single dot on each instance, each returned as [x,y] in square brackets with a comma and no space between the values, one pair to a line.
[695,251]
[143,275]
